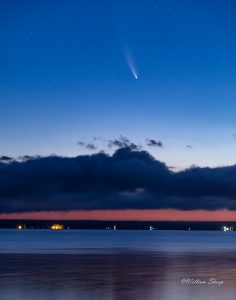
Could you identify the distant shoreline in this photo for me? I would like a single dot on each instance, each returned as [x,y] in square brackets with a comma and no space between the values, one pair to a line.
[119,225]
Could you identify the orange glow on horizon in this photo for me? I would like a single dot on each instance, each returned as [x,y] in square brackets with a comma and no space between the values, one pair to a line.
[131,214]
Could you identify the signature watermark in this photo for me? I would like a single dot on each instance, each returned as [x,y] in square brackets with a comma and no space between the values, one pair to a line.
[198,281]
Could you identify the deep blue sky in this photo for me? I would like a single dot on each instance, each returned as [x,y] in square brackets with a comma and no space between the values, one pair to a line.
[64,77]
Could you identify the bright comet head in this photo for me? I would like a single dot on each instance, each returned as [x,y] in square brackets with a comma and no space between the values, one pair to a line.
[130,63]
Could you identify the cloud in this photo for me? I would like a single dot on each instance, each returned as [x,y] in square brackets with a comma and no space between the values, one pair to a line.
[28,157]
[123,142]
[5,158]
[88,146]
[91,146]
[154,143]
[126,180]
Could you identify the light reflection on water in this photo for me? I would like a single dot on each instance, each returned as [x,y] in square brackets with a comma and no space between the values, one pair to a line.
[117,273]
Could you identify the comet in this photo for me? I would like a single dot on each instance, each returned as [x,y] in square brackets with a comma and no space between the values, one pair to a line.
[132,68]
[135,75]
[130,63]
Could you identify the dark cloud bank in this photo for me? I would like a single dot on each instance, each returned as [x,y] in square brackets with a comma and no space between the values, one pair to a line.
[129,179]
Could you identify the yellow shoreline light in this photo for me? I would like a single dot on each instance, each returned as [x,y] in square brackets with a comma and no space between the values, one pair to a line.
[57,226]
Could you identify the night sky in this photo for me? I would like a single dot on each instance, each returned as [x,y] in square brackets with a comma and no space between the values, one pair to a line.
[90,80]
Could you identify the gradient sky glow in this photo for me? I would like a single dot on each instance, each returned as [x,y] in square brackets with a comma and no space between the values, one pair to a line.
[128,215]
[64,76]
[67,74]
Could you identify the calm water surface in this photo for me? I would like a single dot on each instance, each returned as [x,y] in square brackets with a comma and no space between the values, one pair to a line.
[97,264]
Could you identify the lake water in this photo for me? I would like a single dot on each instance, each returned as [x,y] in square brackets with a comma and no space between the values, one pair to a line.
[104,264]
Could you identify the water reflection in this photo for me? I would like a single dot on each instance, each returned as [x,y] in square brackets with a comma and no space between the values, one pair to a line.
[117,275]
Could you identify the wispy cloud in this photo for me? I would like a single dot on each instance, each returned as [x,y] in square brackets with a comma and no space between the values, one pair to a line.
[123,142]
[88,146]
[154,143]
